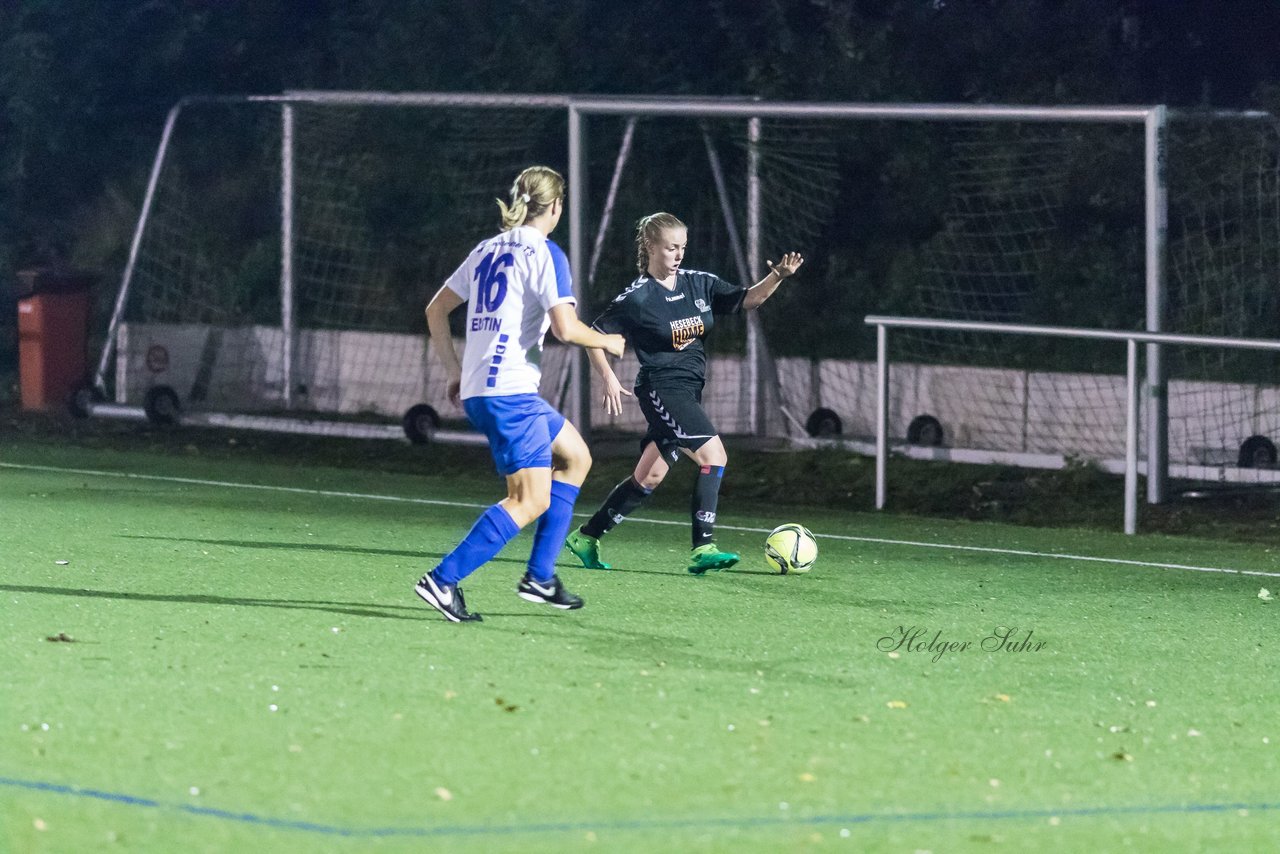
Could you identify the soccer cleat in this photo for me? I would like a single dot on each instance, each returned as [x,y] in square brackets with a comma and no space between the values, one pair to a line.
[709,557]
[587,549]
[445,598]
[552,592]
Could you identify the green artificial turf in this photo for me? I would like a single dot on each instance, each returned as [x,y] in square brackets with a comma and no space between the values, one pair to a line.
[191,664]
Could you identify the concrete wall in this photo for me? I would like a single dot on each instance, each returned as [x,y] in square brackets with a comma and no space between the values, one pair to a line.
[349,372]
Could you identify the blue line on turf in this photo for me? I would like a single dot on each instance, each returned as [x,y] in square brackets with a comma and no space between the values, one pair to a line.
[638,824]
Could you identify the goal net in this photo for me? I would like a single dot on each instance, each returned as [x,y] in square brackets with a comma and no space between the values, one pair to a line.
[1043,224]
[288,251]
[289,245]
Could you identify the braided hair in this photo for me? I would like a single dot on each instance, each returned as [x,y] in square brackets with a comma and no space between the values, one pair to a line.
[648,230]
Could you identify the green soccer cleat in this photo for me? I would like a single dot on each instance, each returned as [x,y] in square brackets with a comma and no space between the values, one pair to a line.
[709,557]
[587,550]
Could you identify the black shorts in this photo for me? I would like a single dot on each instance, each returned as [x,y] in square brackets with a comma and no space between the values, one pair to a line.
[676,419]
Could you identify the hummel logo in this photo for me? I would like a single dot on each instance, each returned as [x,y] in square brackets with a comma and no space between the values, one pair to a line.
[637,283]
[675,298]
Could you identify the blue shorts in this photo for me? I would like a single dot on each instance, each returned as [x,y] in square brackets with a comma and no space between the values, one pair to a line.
[520,429]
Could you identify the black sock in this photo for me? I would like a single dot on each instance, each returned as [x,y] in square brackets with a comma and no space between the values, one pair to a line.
[706,494]
[625,499]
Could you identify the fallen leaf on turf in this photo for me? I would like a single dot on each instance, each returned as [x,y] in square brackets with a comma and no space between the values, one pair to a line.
[1004,698]
[1121,756]
[61,637]
[806,777]
[896,704]
[1265,595]
[1193,733]
[443,794]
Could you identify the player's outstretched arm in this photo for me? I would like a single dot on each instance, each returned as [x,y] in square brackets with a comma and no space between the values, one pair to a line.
[438,311]
[566,326]
[613,390]
[763,289]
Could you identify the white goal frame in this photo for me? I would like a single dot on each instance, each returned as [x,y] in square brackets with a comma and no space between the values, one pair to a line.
[1152,118]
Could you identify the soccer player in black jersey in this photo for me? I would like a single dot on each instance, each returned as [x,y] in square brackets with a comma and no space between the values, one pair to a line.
[664,315]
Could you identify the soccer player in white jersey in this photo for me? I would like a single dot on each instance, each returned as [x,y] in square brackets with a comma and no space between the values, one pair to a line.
[516,285]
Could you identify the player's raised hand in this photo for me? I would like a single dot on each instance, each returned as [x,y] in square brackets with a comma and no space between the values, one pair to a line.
[788,265]
[613,392]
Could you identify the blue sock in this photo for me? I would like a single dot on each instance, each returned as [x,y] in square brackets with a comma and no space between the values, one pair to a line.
[553,527]
[493,530]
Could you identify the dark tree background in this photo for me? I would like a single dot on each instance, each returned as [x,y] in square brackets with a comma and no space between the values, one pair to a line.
[86,83]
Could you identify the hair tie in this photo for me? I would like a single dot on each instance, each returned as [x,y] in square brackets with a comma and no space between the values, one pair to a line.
[524,197]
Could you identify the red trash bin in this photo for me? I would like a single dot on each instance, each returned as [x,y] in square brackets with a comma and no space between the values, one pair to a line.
[53,336]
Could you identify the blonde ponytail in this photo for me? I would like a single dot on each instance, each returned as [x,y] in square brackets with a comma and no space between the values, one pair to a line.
[533,191]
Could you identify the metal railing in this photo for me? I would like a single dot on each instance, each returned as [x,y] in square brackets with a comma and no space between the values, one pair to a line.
[1131,339]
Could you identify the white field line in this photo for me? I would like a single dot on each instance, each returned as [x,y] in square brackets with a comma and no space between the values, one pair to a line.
[365,496]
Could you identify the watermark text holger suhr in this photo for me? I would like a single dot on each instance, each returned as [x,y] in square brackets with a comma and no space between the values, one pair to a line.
[918,639]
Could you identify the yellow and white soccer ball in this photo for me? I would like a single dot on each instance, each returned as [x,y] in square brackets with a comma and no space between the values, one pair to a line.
[790,548]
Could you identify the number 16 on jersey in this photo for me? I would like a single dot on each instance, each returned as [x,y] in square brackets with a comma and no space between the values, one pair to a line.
[491,290]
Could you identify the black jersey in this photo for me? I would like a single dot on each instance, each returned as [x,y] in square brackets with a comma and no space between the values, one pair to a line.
[666,327]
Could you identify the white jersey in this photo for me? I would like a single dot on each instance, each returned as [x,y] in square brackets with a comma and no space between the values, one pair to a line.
[510,282]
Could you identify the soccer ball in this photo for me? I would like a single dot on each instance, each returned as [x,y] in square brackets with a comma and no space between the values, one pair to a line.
[790,548]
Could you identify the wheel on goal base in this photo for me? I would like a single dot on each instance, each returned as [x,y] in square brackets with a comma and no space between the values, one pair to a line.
[80,403]
[1257,452]
[925,430]
[420,422]
[161,405]
[823,423]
